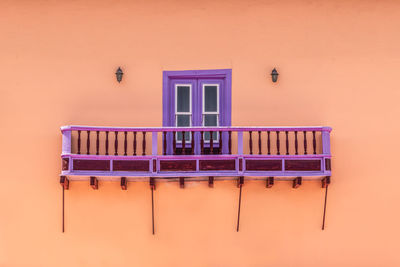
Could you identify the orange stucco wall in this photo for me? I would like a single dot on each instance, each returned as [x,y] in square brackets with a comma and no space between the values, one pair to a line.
[339,63]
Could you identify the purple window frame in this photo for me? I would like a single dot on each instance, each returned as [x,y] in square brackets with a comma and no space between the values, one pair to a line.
[221,76]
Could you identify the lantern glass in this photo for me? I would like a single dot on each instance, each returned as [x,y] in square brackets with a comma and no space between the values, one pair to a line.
[274,75]
[119,74]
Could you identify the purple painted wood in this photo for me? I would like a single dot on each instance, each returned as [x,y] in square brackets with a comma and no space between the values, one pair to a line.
[259,143]
[296,143]
[211,143]
[269,142]
[295,163]
[305,142]
[66,142]
[195,128]
[240,143]
[326,142]
[154,143]
[225,75]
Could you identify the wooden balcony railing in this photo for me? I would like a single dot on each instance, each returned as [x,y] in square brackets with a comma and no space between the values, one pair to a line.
[221,152]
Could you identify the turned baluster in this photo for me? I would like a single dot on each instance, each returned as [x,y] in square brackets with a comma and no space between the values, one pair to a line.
[259,143]
[211,143]
[278,143]
[174,142]
[202,142]
[134,143]
[251,142]
[220,142]
[230,142]
[88,143]
[79,142]
[287,142]
[116,144]
[305,142]
[164,143]
[106,142]
[296,143]
[192,143]
[125,143]
[144,144]
[269,143]
[97,142]
[183,143]
[314,142]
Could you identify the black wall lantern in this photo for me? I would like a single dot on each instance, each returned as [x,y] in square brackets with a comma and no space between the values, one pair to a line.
[274,75]
[119,74]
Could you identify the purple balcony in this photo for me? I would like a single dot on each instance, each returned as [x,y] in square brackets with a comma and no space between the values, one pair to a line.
[284,153]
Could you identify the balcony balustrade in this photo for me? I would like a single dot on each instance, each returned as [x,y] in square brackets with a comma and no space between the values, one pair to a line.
[219,152]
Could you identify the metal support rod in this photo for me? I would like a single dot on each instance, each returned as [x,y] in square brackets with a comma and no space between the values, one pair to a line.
[240,200]
[326,197]
[152,208]
[63,189]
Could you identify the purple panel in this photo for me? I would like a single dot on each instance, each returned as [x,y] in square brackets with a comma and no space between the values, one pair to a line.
[263,165]
[302,165]
[177,165]
[131,165]
[91,165]
[217,165]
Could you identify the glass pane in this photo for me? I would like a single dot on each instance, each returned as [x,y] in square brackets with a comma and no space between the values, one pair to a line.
[210,98]
[210,120]
[183,121]
[183,99]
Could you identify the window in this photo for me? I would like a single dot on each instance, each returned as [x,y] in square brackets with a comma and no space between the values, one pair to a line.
[196,98]
[210,110]
[183,108]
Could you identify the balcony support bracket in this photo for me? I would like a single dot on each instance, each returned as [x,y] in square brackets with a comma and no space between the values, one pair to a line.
[270,182]
[124,183]
[326,181]
[64,182]
[297,182]
[211,181]
[94,183]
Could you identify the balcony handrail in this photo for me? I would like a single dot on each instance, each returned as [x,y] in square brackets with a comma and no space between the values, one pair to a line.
[195,128]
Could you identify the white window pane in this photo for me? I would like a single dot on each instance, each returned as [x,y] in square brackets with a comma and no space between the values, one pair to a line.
[210,98]
[183,121]
[210,120]
[183,99]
